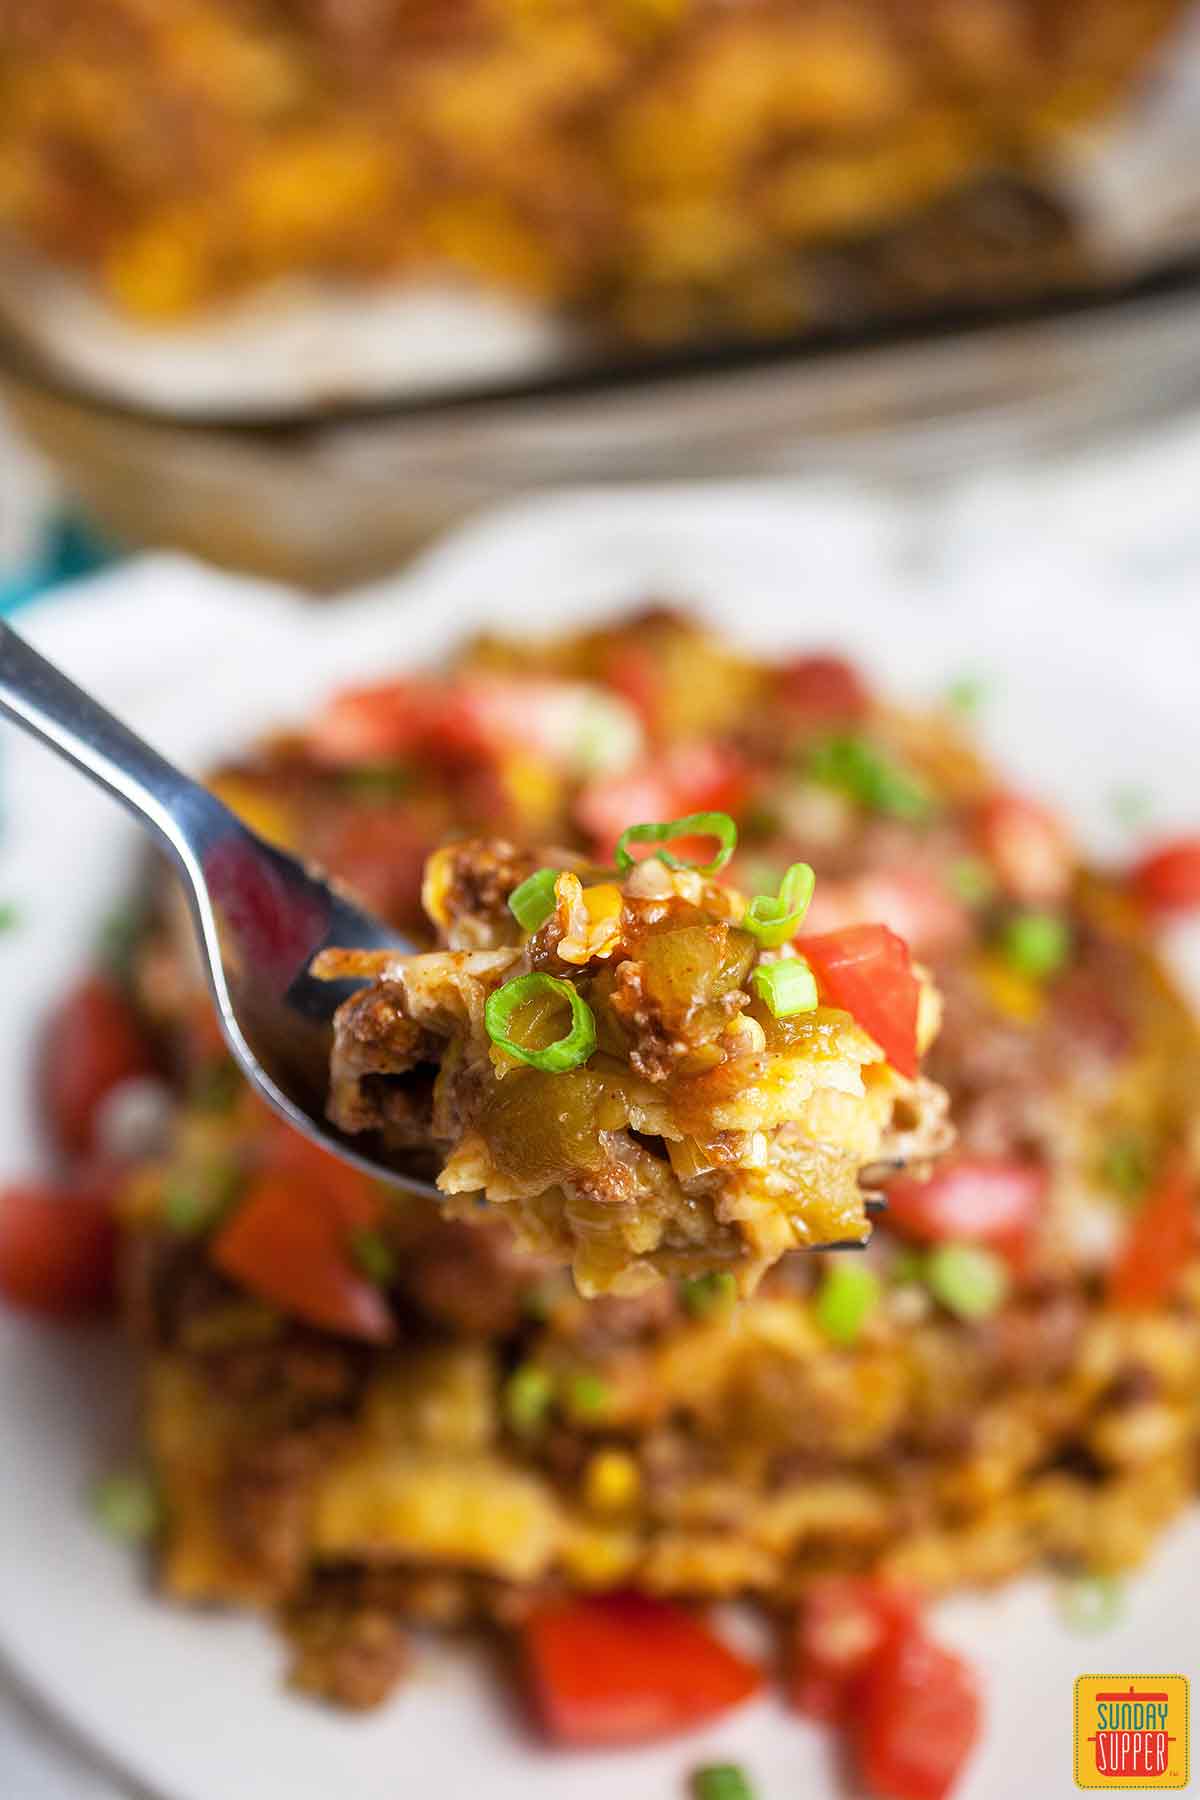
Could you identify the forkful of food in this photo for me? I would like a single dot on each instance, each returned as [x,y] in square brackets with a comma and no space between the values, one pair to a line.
[644,1070]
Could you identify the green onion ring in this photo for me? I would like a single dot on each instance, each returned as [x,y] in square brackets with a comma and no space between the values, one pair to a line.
[664,831]
[566,1052]
[533,901]
[773,920]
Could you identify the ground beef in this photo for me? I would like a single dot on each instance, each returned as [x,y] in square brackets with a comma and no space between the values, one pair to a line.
[352,1656]
[472,1278]
[481,875]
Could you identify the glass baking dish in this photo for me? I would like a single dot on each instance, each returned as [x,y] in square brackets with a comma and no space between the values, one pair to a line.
[351,489]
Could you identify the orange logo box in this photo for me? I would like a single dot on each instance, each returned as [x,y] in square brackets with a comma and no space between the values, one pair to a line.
[1131,1731]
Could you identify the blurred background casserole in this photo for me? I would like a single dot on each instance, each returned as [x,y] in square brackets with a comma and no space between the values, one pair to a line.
[295,284]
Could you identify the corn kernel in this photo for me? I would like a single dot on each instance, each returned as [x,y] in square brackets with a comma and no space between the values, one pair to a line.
[261,812]
[1011,993]
[611,1481]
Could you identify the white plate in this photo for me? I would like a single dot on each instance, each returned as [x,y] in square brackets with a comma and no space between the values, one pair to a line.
[1091,693]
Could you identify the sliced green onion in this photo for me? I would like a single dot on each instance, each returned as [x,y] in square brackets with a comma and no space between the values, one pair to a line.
[722,1781]
[10,916]
[1036,944]
[857,768]
[538,1302]
[377,781]
[969,1281]
[774,919]
[128,1507]
[118,940]
[566,1052]
[532,903]
[1132,806]
[849,1295]
[786,987]
[972,880]
[704,1295]
[1091,1603]
[718,825]
[528,1397]
[1125,1166]
[374,1256]
[967,693]
[194,1199]
[587,1393]
[907,1266]
[215,1085]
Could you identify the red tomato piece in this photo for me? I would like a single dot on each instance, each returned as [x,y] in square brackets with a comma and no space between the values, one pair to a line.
[58,1246]
[1160,1240]
[823,687]
[351,1191]
[912,902]
[842,1625]
[625,1668]
[375,724]
[289,1242]
[92,1044]
[1028,848]
[698,777]
[632,670]
[1168,879]
[985,1200]
[918,1718]
[867,971]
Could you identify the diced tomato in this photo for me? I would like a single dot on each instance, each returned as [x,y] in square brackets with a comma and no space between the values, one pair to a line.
[841,1627]
[698,777]
[289,1242]
[919,1714]
[984,1200]
[867,971]
[913,902]
[823,687]
[1168,879]
[1027,847]
[625,1668]
[58,1246]
[288,1152]
[1160,1241]
[632,670]
[92,1044]
[474,718]
[392,720]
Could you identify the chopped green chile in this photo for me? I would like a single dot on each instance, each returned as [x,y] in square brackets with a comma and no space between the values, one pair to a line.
[704,1295]
[786,987]
[717,825]
[566,1052]
[774,919]
[532,903]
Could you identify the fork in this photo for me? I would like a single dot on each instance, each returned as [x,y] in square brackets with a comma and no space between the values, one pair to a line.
[260,915]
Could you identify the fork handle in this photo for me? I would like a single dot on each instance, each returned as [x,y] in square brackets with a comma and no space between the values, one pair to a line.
[42,700]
